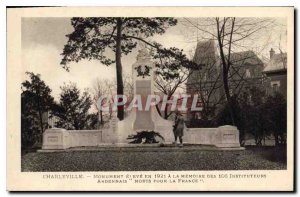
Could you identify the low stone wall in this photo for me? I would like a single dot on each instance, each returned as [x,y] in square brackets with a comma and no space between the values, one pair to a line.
[84,137]
[223,137]
[62,139]
[200,135]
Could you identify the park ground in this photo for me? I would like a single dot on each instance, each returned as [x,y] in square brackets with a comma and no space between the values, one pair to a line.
[155,159]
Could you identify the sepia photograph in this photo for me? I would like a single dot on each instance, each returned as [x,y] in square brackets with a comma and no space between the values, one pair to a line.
[140,97]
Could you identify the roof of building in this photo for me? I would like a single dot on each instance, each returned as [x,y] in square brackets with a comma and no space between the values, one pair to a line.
[245,57]
[277,62]
[205,52]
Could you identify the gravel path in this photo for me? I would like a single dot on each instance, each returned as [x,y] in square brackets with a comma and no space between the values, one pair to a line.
[141,160]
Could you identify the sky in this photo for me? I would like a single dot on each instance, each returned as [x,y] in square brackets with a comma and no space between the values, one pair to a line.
[43,40]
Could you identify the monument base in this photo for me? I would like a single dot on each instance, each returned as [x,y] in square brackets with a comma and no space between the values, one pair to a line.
[223,138]
[163,127]
[57,138]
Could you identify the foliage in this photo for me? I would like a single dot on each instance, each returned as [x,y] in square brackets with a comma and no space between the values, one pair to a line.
[72,110]
[259,115]
[276,108]
[30,124]
[92,121]
[170,61]
[224,117]
[253,115]
[196,123]
[36,100]
[94,38]
[147,136]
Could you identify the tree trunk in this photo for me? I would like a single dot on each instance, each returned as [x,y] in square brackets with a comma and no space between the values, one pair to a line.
[166,115]
[166,111]
[40,119]
[226,67]
[158,110]
[120,89]
[276,139]
[227,94]
[101,117]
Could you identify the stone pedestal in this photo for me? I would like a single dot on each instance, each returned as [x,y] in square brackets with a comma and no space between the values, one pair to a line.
[62,139]
[55,139]
[224,137]
[227,137]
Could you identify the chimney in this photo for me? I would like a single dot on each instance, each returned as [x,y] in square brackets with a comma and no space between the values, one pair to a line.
[272,52]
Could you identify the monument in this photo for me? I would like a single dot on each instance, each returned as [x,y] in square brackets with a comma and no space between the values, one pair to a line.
[143,119]
[143,73]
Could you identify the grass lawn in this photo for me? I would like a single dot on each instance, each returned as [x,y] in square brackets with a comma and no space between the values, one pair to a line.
[253,158]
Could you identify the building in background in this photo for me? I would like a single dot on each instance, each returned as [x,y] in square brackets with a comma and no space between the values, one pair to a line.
[276,72]
[203,81]
[207,83]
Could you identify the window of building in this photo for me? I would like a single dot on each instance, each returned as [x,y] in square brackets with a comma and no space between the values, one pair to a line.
[231,92]
[197,116]
[275,85]
[205,94]
[247,73]
[205,77]
[199,102]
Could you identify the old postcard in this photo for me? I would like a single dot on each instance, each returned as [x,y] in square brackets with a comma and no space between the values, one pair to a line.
[150,99]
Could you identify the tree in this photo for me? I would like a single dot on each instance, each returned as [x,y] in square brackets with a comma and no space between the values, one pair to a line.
[276,114]
[36,100]
[171,73]
[224,118]
[73,108]
[254,116]
[93,37]
[92,121]
[258,114]
[265,115]
[206,81]
[232,34]
[128,87]
[106,88]
[101,88]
